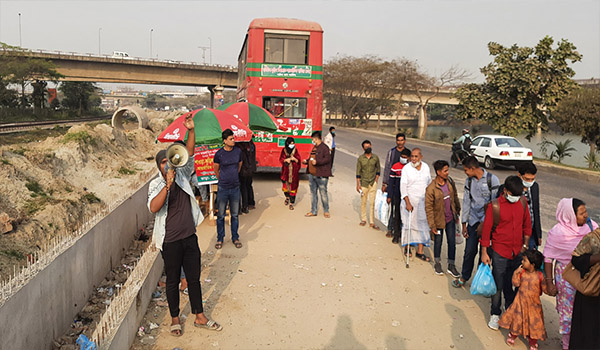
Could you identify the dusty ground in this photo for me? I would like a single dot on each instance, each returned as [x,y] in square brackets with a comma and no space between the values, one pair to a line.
[51,184]
[314,283]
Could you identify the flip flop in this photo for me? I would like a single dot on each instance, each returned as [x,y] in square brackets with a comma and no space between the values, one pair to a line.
[423,257]
[389,235]
[219,245]
[237,244]
[373,226]
[210,325]
[291,207]
[287,201]
[458,283]
[327,215]
[362,223]
[309,214]
[175,328]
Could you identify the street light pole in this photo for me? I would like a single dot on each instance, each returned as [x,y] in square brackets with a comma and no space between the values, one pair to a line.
[210,46]
[151,30]
[20,42]
[99,52]
[203,48]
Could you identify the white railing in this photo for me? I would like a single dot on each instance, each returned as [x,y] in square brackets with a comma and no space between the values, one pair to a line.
[39,260]
[125,296]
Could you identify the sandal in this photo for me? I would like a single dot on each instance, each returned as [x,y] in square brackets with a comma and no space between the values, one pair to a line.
[327,215]
[389,234]
[219,245]
[237,244]
[176,330]
[373,226]
[362,223]
[458,283]
[291,207]
[210,325]
[309,214]
[287,201]
[423,257]
[409,253]
[510,339]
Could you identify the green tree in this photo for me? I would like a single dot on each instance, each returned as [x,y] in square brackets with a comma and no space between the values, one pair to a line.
[522,86]
[79,95]
[562,149]
[8,97]
[39,94]
[579,114]
[23,71]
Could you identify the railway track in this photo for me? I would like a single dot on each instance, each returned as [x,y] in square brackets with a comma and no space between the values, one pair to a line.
[25,126]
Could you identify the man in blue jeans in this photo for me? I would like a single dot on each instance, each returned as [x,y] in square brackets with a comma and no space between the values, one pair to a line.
[480,188]
[227,165]
[319,170]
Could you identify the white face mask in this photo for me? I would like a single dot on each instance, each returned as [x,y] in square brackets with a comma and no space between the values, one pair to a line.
[403,161]
[291,145]
[416,165]
[512,199]
[528,184]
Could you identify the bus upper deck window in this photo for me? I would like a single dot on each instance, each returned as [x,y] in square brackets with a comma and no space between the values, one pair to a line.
[286,49]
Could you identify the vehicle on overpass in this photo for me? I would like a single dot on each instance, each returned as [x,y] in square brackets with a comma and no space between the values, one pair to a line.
[492,150]
[121,54]
[280,67]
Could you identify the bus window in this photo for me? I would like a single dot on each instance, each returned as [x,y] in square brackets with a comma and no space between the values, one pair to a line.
[287,49]
[286,107]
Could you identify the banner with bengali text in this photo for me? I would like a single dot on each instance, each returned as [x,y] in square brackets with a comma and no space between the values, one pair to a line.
[204,156]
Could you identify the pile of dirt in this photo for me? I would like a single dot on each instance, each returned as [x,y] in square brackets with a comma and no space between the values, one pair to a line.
[50,186]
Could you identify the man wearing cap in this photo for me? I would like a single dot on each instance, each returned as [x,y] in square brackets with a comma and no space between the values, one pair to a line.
[171,198]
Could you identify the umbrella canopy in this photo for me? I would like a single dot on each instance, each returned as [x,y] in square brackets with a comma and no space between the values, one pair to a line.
[208,126]
[257,118]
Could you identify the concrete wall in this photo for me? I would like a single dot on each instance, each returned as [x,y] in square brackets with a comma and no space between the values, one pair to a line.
[45,307]
[127,330]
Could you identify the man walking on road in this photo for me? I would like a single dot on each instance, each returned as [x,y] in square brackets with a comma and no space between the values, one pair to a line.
[414,182]
[393,157]
[330,142]
[367,175]
[395,197]
[480,188]
[171,198]
[504,244]
[443,209]
[227,165]
[319,170]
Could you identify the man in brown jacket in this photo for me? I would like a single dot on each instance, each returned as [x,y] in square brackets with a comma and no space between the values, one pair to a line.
[443,208]
[319,170]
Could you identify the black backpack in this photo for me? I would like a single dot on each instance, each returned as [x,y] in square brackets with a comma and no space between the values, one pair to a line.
[467,144]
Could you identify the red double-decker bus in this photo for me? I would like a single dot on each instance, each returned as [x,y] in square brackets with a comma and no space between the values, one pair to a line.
[280,68]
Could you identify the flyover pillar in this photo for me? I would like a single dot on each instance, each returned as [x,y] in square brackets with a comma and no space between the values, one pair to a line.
[217,96]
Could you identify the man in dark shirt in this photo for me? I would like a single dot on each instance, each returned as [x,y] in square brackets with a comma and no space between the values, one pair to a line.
[227,165]
[171,198]
[319,170]
[504,246]
[392,158]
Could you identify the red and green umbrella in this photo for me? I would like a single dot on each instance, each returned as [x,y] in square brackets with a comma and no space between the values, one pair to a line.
[257,118]
[208,126]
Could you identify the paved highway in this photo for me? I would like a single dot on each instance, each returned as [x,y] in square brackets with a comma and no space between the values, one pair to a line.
[553,186]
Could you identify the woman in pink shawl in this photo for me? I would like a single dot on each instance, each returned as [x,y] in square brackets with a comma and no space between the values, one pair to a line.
[573,224]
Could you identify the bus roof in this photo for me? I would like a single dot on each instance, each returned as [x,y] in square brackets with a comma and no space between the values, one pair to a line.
[285,24]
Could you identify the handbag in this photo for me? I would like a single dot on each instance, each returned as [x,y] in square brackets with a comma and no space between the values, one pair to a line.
[588,285]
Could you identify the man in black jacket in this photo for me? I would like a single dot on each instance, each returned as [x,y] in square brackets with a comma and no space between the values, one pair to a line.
[246,172]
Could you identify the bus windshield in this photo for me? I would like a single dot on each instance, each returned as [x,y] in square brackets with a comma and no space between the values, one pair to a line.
[285,107]
[289,49]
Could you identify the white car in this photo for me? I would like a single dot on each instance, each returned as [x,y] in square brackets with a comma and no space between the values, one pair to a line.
[492,150]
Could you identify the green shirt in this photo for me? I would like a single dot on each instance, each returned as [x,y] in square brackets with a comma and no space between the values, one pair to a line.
[367,169]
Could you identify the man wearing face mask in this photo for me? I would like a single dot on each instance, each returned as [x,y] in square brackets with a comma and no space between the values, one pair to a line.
[395,197]
[367,175]
[319,170]
[504,241]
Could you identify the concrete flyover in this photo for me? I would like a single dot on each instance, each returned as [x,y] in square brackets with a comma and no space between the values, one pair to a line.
[88,67]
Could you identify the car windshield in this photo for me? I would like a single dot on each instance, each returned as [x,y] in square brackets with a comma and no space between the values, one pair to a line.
[507,142]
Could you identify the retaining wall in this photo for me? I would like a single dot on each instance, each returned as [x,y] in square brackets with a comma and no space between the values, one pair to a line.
[45,307]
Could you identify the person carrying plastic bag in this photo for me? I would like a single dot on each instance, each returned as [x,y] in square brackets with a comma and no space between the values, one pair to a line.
[483,282]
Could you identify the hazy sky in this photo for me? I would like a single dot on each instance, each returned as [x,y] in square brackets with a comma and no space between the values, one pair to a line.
[437,34]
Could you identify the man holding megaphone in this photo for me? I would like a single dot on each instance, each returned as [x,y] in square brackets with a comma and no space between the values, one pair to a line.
[171,198]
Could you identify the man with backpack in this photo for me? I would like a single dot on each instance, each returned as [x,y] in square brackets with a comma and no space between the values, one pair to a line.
[442,207]
[462,146]
[506,229]
[480,188]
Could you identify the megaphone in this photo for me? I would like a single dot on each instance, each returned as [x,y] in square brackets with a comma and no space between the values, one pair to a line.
[177,156]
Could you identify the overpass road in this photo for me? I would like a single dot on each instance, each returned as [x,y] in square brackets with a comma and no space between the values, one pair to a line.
[553,186]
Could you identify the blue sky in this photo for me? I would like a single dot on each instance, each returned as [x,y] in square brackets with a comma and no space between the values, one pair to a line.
[437,34]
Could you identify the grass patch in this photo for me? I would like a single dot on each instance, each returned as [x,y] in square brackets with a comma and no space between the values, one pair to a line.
[169,120]
[32,206]
[125,171]
[35,187]
[20,151]
[91,198]
[32,135]
[12,253]
[68,189]
[81,137]
[5,162]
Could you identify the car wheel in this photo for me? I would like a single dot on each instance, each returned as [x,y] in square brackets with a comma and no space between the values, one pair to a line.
[489,163]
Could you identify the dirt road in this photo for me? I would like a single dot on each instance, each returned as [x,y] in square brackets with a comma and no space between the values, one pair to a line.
[314,283]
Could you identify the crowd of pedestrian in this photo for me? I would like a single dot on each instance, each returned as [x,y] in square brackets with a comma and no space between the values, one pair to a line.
[500,223]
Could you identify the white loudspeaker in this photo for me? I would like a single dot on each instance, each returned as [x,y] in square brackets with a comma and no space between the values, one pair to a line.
[177,155]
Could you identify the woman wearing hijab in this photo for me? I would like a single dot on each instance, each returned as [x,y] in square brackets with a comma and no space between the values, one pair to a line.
[573,225]
[290,170]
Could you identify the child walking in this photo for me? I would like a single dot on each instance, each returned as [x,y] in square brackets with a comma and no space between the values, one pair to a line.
[525,316]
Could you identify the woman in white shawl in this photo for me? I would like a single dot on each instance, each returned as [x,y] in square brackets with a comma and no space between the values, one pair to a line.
[415,179]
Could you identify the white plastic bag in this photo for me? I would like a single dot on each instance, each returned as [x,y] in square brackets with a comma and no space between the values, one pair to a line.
[382,208]
[459,237]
